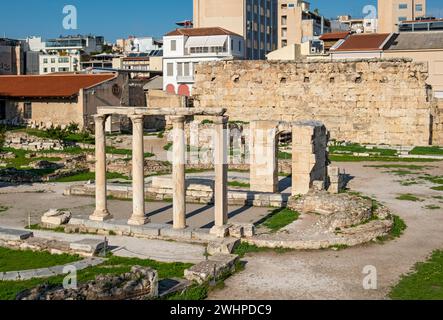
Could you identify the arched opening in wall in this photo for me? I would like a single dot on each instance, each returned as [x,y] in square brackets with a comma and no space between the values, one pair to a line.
[183,90]
[170,89]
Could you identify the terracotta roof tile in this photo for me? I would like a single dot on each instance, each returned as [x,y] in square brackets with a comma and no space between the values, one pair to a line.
[196,32]
[55,86]
[334,35]
[364,42]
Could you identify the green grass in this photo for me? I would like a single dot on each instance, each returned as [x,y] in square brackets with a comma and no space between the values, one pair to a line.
[20,159]
[423,151]
[245,248]
[402,172]
[194,293]
[409,197]
[398,166]
[356,148]
[113,266]
[13,260]
[432,207]
[237,184]
[280,218]
[284,155]
[89,176]
[424,283]
[3,209]
[434,180]
[168,146]
[350,158]
[125,152]
[439,188]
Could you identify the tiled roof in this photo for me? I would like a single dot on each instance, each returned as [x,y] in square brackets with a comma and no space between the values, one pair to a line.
[49,86]
[364,42]
[334,36]
[196,32]
[417,41]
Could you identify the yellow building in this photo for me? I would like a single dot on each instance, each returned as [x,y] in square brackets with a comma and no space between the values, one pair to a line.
[392,12]
[297,24]
[255,20]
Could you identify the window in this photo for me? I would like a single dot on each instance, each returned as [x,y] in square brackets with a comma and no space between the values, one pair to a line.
[419,7]
[284,20]
[45,70]
[284,32]
[27,110]
[402,18]
[186,71]
[403,6]
[53,60]
[52,69]
[63,60]
[239,46]
[45,60]
[170,69]
[179,69]
[2,109]
[173,45]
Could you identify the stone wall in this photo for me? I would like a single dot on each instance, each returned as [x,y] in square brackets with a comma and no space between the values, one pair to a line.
[438,123]
[370,101]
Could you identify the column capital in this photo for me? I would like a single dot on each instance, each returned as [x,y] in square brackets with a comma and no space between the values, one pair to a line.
[221,119]
[136,118]
[177,119]
[100,117]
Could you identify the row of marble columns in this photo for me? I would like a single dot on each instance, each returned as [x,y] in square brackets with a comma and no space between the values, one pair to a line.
[139,216]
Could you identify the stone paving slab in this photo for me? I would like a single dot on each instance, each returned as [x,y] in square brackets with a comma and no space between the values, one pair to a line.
[48,272]
[88,245]
[14,235]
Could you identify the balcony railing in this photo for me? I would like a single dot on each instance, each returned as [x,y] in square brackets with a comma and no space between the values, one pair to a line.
[185,79]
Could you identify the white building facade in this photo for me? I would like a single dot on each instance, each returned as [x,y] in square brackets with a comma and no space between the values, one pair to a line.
[54,63]
[183,49]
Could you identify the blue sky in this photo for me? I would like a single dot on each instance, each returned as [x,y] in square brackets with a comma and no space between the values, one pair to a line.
[116,19]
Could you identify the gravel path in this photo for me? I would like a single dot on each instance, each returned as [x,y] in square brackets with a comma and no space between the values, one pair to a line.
[339,275]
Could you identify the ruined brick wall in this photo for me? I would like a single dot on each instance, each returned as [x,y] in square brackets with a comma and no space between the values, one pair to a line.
[372,101]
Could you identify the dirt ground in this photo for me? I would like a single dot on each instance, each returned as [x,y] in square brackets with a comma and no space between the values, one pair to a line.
[339,274]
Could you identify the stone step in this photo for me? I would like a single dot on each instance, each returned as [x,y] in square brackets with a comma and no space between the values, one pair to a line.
[14,235]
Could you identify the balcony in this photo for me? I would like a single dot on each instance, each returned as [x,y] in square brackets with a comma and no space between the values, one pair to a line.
[185,79]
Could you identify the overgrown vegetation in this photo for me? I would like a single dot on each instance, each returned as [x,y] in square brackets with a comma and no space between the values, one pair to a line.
[89,176]
[113,266]
[398,229]
[425,283]
[245,248]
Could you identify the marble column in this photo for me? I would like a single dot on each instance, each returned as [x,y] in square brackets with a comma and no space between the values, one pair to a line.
[221,177]
[178,172]
[138,177]
[101,212]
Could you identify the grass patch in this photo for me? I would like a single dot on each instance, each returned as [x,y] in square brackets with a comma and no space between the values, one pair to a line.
[423,151]
[14,260]
[246,248]
[350,158]
[168,146]
[339,247]
[89,176]
[356,148]
[434,180]
[398,166]
[125,152]
[280,218]
[284,155]
[3,209]
[432,207]
[113,266]
[425,283]
[439,188]
[402,172]
[238,184]
[409,197]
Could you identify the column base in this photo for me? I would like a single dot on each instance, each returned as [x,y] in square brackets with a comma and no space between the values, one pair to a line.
[220,232]
[138,221]
[101,216]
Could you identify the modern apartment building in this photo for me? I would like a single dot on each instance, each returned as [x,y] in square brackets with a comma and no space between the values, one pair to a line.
[56,63]
[254,20]
[424,24]
[391,13]
[297,24]
[183,49]
[73,44]
[357,25]
[137,44]
[11,57]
